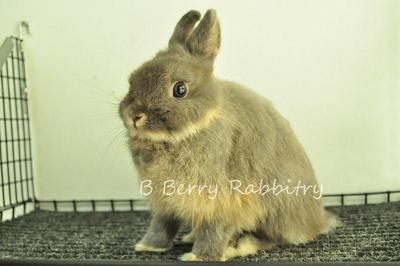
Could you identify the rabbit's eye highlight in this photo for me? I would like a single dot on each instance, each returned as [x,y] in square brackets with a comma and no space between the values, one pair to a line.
[180,90]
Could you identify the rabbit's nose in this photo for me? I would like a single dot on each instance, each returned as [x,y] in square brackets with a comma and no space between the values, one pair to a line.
[139,120]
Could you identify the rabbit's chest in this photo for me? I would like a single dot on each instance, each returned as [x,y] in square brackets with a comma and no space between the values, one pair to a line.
[165,162]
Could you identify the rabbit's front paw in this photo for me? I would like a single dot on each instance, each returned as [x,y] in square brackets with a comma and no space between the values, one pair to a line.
[189,257]
[143,247]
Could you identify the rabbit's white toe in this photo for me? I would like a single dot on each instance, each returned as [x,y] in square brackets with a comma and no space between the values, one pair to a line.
[189,257]
[143,247]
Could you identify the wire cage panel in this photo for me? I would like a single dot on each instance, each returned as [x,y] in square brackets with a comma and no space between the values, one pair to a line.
[16,171]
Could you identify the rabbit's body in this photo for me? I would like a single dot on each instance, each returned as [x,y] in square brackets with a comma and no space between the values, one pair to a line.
[234,134]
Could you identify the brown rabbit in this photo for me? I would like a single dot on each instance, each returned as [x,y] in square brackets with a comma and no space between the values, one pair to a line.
[188,128]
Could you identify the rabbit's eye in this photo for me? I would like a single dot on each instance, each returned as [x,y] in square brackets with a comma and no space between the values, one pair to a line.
[180,90]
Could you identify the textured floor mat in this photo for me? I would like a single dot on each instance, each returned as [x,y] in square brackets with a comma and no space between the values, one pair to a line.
[370,233]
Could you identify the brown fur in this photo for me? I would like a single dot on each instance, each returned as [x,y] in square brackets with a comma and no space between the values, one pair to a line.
[218,132]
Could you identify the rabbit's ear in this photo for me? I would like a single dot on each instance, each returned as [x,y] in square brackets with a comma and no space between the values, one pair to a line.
[184,27]
[205,40]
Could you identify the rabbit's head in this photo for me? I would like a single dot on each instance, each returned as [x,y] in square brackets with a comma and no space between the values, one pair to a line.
[174,95]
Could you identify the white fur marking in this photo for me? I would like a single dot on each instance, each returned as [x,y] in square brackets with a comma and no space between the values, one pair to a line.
[143,247]
[332,223]
[189,257]
[189,130]
[188,238]
[296,238]
[246,246]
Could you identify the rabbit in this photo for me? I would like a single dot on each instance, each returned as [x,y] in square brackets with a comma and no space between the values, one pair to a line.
[186,125]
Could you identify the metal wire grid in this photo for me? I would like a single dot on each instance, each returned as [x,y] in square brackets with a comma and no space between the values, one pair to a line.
[16,173]
[133,205]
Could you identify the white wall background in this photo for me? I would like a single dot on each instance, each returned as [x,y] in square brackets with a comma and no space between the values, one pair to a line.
[331,67]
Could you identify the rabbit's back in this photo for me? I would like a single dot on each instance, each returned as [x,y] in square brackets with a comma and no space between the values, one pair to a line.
[263,137]
[265,147]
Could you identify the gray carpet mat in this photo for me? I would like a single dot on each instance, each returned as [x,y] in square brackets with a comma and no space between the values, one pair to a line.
[370,233]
